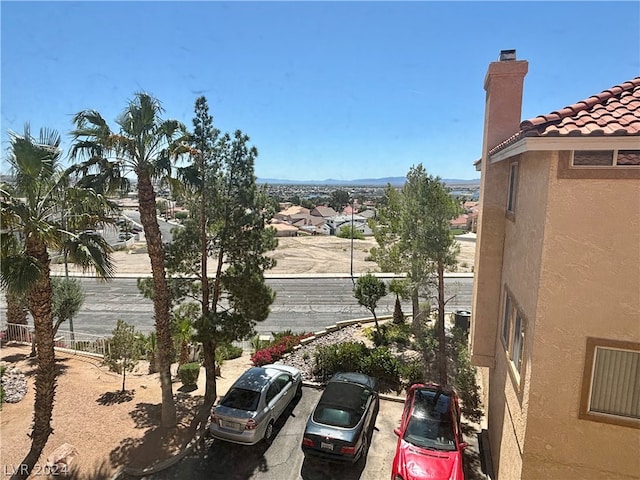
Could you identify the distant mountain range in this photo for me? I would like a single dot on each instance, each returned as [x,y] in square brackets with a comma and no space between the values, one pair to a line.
[361,181]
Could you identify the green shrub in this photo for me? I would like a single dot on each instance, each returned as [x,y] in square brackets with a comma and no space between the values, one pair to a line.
[390,333]
[284,333]
[465,381]
[412,372]
[398,333]
[189,373]
[346,231]
[340,357]
[381,364]
[257,344]
[379,337]
[181,215]
[227,351]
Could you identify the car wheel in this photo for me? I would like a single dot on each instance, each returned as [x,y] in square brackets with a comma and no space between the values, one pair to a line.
[268,433]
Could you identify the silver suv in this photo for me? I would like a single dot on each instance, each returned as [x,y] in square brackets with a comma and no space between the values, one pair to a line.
[247,413]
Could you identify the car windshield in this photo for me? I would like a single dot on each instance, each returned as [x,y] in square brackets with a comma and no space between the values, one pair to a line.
[430,424]
[241,399]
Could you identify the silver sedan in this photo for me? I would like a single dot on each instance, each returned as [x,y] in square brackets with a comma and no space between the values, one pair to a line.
[249,410]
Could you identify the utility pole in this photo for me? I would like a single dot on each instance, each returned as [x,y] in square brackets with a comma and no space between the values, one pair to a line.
[352,235]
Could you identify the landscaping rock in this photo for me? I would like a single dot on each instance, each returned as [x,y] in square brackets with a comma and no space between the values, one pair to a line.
[15,385]
[303,357]
[60,460]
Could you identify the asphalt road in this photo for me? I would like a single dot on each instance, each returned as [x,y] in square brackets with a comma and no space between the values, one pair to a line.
[284,460]
[301,304]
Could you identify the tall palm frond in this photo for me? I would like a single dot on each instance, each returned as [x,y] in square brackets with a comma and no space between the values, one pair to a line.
[33,225]
[145,144]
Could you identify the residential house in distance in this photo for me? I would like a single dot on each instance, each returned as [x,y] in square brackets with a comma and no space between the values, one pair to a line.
[321,220]
[471,209]
[292,213]
[324,211]
[556,301]
[459,222]
[359,224]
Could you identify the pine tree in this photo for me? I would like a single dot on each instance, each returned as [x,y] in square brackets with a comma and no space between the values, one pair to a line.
[228,224]
[414,238]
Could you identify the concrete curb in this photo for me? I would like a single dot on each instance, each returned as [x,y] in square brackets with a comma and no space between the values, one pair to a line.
[169,462]
[270,276]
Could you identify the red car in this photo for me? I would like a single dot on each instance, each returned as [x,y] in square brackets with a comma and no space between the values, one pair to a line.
[430,440]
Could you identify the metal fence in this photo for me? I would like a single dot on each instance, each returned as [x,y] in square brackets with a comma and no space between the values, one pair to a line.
[64,339]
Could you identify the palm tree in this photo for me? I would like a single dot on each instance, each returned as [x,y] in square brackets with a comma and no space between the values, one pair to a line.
[184,317]
[30,214]
[144,145]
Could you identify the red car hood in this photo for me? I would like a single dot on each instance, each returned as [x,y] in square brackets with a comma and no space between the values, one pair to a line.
[415,463]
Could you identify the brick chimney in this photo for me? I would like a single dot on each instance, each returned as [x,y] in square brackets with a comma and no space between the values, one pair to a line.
[503,104]
[503,107]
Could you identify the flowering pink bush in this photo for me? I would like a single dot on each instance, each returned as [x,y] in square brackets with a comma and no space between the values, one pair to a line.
[277,350]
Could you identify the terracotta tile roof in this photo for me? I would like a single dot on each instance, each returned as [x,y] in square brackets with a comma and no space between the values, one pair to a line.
[613,112]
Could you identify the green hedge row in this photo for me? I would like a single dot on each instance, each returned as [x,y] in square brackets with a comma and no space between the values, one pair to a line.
[377,362]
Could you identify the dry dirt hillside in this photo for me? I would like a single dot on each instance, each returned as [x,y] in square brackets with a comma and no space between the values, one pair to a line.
[317,254]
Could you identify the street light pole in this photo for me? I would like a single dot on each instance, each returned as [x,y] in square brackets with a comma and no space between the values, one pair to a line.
[352,235]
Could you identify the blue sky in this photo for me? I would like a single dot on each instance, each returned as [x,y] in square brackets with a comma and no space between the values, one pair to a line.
[339,90]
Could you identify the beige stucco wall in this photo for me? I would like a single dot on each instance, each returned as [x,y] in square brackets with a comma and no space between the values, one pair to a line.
[488,263]
[572,263]
[521,265]
[589,286]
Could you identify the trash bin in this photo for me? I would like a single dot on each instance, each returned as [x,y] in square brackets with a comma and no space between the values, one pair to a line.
[463,319]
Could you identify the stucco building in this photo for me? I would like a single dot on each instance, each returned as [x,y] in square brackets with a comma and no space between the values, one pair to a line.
[556,301]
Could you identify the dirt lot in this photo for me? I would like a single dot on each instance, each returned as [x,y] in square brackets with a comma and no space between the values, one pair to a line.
[317,254]
[333,254]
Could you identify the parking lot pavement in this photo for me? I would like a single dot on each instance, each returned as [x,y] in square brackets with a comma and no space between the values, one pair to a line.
[283,459]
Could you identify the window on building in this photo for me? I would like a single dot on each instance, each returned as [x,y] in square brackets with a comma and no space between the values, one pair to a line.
[506,321]
[611,382]
[606,158]
[513,332]
[513,183]
[517,341]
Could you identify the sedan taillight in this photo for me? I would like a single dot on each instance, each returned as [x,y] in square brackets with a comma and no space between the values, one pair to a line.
[348,450]
[307,442]
[251,424]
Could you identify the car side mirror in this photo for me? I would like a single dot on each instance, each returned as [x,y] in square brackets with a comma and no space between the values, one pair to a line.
[396,431]
[463,445]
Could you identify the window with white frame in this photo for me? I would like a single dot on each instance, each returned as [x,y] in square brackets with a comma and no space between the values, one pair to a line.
[513,184]
[611,382]
[513,332]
